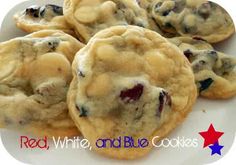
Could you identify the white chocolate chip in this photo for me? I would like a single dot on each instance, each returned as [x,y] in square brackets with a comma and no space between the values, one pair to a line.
[100,86]
[194,3]
[190,20]
[86,14]
[108,7]
[107,53]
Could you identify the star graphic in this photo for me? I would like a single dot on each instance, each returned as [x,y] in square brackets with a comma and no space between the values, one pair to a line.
[216,148]
[210,136]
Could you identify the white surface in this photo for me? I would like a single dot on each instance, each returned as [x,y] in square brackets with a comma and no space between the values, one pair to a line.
[220,113]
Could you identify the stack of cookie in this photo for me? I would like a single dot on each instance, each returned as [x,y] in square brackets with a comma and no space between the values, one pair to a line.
[132,68]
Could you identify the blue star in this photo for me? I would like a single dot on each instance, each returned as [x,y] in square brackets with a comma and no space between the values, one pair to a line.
[216,149]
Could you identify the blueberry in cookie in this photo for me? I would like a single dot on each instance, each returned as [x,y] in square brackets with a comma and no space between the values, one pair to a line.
[193,18]
[49,16]
[122,87]
[215,72]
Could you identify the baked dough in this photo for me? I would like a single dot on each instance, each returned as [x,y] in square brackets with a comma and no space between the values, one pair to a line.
[215,72]
[129,81]
[34,79]
[90,16]
[153,25]
[193,18]
[47,17]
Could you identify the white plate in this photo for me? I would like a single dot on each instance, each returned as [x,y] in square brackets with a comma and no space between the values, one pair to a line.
[220,113]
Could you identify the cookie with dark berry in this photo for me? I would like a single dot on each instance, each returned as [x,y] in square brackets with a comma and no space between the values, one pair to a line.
[215,72]
[129,81]
[193,18]
[35,18]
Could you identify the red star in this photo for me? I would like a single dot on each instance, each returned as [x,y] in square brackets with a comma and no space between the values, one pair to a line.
[210,136]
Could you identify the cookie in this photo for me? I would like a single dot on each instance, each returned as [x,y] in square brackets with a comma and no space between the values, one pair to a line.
[185,43]
[34,79]
[193,18]
[215,72]
[153,25]
[129,81]
[35,18]
[88,17]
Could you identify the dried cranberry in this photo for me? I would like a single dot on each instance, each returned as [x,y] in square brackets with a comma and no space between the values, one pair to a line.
[83,111]
[188,53]
[164,99]
[205,84]
[199,39]
[81,74]
[33,11]
[130,95]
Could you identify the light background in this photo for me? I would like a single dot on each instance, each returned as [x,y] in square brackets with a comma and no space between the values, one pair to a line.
[7,159]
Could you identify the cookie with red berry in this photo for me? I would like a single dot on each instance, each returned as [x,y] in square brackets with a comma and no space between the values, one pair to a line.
[129,81]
